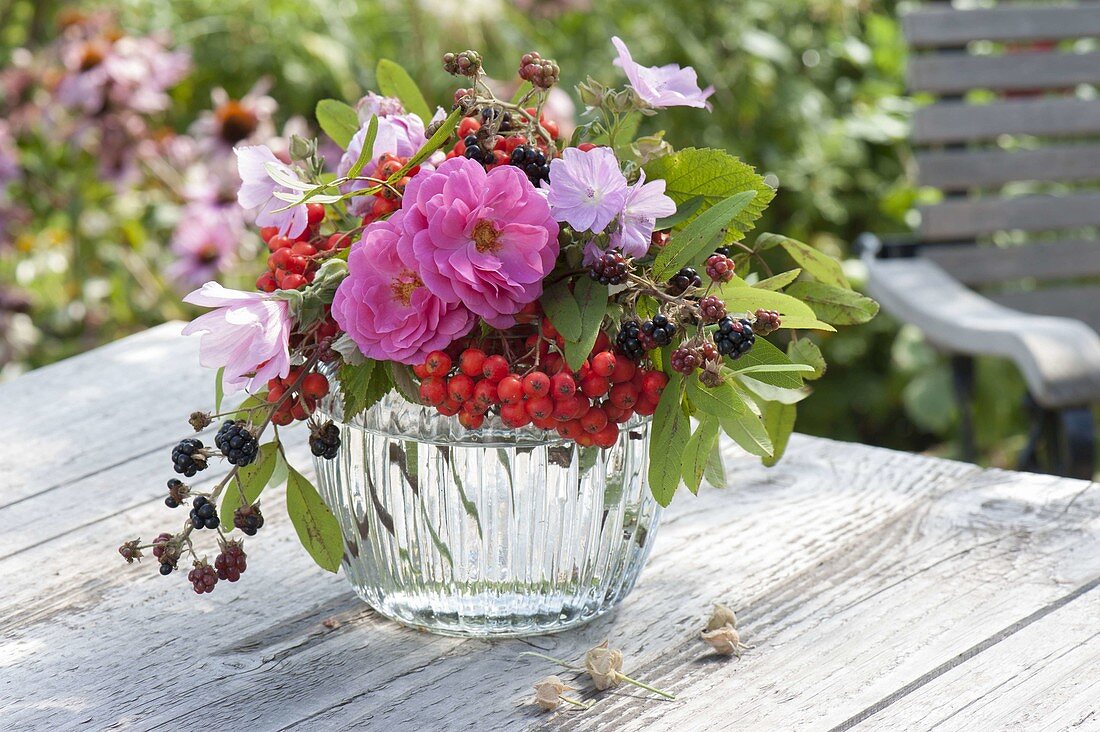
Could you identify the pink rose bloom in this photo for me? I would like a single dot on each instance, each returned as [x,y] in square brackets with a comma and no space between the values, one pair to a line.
[662,86]
[259,168]
[486,240]
[399,134]
[645,203]
[248,334]
[587,188]
[384,306]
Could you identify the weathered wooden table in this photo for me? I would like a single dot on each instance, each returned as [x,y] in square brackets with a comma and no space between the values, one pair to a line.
[881,590]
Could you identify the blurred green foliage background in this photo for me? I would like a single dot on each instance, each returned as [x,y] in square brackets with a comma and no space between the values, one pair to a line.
[809,91]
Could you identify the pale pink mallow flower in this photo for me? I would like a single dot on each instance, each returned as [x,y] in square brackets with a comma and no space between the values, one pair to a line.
[384,306]
[205,242]
[662,86]
[645,203]
[587,188]
[397,134]
[262,176]
[248,333]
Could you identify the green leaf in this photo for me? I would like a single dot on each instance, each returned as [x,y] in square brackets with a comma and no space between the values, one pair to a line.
[591,299]
[818,265]
[714,175]
[521,91]
[647,307]
[734,413]
[779,281]
[317,528]
[698,236]
[362,386]
[779,421]
[670,429]
[765,353]
[684,211]
[771,393]
[252,408]
[740,298]
[398,377]
[250,480]
[774,368]
[720,401]
[806,351]
[367,153]
[338,120]
[715,471]
[219,389]
[834,304]
[434,142]
[749,432]
[563,310]
[697,452]
[394,81]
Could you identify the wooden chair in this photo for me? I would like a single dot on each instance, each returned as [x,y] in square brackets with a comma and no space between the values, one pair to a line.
[1008,263]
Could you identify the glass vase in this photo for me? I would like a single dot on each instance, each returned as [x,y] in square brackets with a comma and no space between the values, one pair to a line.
[488,532]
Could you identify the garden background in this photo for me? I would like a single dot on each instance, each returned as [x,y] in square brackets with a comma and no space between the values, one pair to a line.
[101,226]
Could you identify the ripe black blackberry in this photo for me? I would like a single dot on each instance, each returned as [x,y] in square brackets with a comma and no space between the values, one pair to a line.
[720,268]
[248,519]
[609,269]
[324,440]
[734,338]
[660,329]
[203,577]
[230,563]
[767,322]
[187,457]
[532,162]
[685,278]
[628,341]
[685,360]
[712,309]
[475,152]
[204,514]
[237,444]
[177,493]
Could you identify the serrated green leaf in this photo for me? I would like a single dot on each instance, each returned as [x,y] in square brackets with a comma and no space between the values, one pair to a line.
[647,307]
[834,304]
[698,451]
[667,435]
[698,236]
[366,154]
[591,299]
[362,385]
[219,389]
[338,120]
[251,481]
[399,377]
[736,414]
[563,310]
[779,421]
[740,298]
[806,351]
[818,265]
[394,81]
[713,175]
[779,281]
[318,530]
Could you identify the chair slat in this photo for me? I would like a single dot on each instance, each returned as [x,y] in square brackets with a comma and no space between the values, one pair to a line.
[940,27]
[970,218]
[960,122]
[1078,302]
[978,265]
[953,170]
[945,73]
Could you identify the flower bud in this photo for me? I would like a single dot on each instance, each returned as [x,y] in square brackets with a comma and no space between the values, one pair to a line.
[301,148]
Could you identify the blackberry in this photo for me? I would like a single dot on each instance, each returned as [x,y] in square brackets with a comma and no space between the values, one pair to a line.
[734,338]
[130,551]
[767,322]
[609,269]
[720,268]
[167,553]
[532,162]
[541,72]
[659,238]
[324,440]
[230,563]
[708,352]
[204,514]
[475,152]
[203,577]
[712,309]
[237,444]
[628,342]
[685,360]
[724,251]
[249,519]
[660,329]
[177,493]
[188,458]
[685,278]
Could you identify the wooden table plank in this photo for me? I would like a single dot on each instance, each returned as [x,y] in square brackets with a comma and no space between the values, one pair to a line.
[864,577]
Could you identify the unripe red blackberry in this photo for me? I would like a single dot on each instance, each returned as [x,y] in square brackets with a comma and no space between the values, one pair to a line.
[230,563]
[682,280]
[167,552]
[712,309]
[767,322]
[685,360]
[248,519]
[720,268]
[709,352]
[130,551]
[464,63]
[610,268]
[202,577]
[543,73]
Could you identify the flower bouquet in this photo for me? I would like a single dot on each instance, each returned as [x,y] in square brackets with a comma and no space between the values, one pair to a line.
[510,346]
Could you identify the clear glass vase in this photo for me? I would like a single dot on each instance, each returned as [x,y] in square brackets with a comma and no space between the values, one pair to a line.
[493,532]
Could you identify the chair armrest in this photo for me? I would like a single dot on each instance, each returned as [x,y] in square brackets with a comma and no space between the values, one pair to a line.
[1059,357]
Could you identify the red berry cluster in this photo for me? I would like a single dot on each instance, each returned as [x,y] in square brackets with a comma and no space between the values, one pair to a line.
[387,200]
[543,73]
[293,263]
[767,322]
[712,309]
[720,268]
[303,396]
[230,562]
[203,577]
[586,405]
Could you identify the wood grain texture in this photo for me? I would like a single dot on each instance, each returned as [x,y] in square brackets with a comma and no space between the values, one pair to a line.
[951,122]
[938,26]
[957,170]
[864,577]
[986,265]
[954,72]
[974,217]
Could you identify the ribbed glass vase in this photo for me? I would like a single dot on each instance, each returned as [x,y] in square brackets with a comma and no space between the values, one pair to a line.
[493,532]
